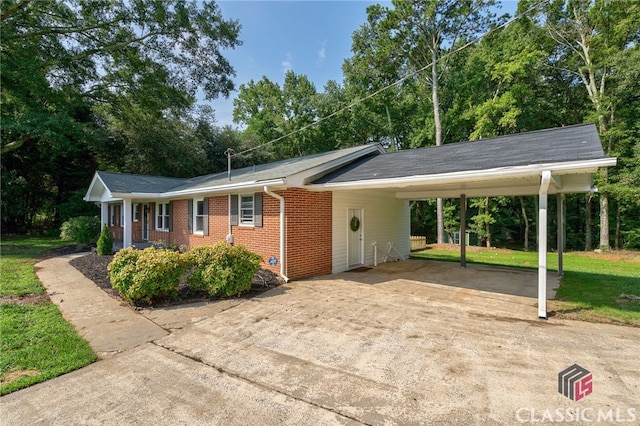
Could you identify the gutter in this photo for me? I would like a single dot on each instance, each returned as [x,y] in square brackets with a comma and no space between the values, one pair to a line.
[235,187]
[586,166]
[282,233]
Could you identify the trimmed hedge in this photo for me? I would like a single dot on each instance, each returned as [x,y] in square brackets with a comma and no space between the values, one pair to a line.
[222,269]
[147,275]
[154,274]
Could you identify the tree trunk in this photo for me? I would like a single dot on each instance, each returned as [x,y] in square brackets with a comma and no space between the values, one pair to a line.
[487,225]
[604,216]
[587,227]
[438,137]
[526,224]
[617,240]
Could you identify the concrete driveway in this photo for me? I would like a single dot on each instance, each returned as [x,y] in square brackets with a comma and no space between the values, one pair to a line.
[411,342]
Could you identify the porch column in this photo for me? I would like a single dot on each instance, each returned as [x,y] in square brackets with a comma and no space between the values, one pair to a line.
[104,215]
[561,237]
[542,244]
[463,230]
[126,223]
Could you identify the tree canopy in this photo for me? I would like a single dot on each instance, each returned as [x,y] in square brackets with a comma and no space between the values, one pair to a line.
[114,84]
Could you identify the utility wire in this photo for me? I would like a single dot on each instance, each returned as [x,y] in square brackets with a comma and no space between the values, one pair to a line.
[397,82]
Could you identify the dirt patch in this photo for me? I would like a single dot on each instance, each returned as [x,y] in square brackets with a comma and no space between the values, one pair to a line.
[13,376]
[27,299]
[614,255]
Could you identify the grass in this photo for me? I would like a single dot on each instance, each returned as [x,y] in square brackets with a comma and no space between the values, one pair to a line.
[596,287]
[36,343]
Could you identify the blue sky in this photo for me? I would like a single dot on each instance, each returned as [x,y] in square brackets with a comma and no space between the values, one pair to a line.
[308,37]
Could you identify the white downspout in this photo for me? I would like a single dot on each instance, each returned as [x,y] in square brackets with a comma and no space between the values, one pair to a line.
[282,233]
[542,244]
[229,235]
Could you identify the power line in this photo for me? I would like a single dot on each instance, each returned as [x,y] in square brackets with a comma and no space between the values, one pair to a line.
[397,82]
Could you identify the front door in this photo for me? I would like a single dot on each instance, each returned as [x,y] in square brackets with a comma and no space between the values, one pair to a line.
[356,238]
[145,222]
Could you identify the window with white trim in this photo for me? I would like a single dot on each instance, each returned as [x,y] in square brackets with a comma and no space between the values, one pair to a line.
[112,215]
[246,210]
[121,216]
[136,212]
[198,215]
[162,216]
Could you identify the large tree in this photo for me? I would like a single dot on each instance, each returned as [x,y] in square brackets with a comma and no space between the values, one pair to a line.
[590,36]
[422,33]
[282,116]
[71,69]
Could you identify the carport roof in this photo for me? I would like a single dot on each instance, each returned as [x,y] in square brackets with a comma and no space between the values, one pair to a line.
[505,165]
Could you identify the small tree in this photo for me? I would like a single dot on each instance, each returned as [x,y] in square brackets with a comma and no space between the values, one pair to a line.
[105,242]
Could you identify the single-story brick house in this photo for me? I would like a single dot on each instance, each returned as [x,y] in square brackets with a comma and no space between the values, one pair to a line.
[298,214]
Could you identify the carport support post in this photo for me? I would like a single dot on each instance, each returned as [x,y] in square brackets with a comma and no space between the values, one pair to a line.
[542,244]
[561,237]
[463,231]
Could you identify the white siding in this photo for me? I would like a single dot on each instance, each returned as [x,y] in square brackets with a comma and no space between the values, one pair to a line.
[385,219]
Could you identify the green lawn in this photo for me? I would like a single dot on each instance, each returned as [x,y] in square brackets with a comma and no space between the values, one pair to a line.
[36,343]
[595,287]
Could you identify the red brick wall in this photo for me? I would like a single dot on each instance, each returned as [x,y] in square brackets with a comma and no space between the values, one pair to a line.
[308,224]
[264,240]
[309,233]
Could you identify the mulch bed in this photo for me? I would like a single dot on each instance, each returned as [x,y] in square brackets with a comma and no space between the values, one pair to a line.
[94,267]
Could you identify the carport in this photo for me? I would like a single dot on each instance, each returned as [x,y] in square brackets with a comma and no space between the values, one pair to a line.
[546,162]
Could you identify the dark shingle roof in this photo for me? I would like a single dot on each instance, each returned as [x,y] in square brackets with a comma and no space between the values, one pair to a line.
[571,143]
[263,172]
[124,183]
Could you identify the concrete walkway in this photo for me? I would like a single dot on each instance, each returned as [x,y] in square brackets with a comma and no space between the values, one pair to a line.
[397,344]
[111,326]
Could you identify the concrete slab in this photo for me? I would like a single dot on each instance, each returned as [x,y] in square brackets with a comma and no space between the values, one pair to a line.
[179,316]
[401,351]
[398,344]
[152,385]
[109,326]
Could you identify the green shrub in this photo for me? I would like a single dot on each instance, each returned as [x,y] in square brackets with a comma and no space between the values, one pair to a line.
[122,269]
[632,239]
[146,275]
[83,230]
[105,242]
[222,269]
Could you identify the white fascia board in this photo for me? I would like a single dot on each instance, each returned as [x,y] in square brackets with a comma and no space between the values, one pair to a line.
[225,189]
[587,166]
[302,178]
[96,179]
[138,195]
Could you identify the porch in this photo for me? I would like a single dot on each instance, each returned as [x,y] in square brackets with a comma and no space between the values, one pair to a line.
[137,240]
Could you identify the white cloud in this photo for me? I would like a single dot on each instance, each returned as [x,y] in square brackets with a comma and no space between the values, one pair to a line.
[322,53]
[287,63]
